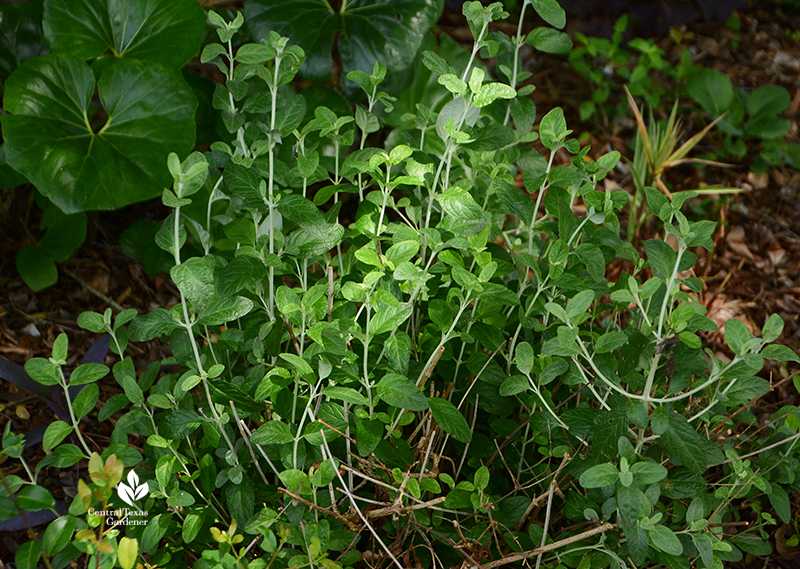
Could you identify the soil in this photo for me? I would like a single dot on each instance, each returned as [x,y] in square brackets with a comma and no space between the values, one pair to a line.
[753,271]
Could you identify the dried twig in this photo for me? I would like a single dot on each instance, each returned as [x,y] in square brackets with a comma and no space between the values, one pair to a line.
[759,451]
[240,425]
[295,343]
[335,514]
[429,370]
[355,505]
[743,407]
[394,509]
[546,520]
[553,546]
[89,288]
[264,454]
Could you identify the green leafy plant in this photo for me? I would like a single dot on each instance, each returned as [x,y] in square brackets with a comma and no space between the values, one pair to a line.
[606,64]
[748,117]
[449,378]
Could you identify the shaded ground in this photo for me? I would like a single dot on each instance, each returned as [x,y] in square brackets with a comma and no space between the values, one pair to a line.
[754,270]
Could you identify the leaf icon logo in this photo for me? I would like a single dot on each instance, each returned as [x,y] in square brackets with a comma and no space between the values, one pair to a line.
[132,491]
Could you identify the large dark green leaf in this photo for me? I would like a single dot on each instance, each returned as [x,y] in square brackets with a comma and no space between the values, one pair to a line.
[36,268]
[389,31]
[50,139]
[8,176]
[167,31]
[20,35]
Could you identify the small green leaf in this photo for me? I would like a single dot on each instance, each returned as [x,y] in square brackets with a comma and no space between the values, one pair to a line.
[780,353]
[368,256]
[553,128]
[145,327]
[153,532]
[255,53]
[712,89]
[34,498]
[696,511]
[63,456]
[300,365]
[191,527]
[368,436]
[665,540]
[58,534]
[599,476]
[773,328]
[768,99]
[125,375]
[648,473]
[514,385]
[388,318]
[637,544]
[128,551]
[450,419]
[481,478]
[549,40]
[93,322]
[737,335]
[272,433]
[180,499]
[684,445]
[551,12]
[579,304]
[402,251]
[463,211]
[88,373]
[242,273]
[661,256]
[524,357]
[60,347]
[631,501]
[610,341]
[399,391]
[195,279]
[345,394]
[779,499]
[55,433]
[42,371]
[514,200]
[398,351]
[453,84]
[224,310]
[490,92]
[28,555]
